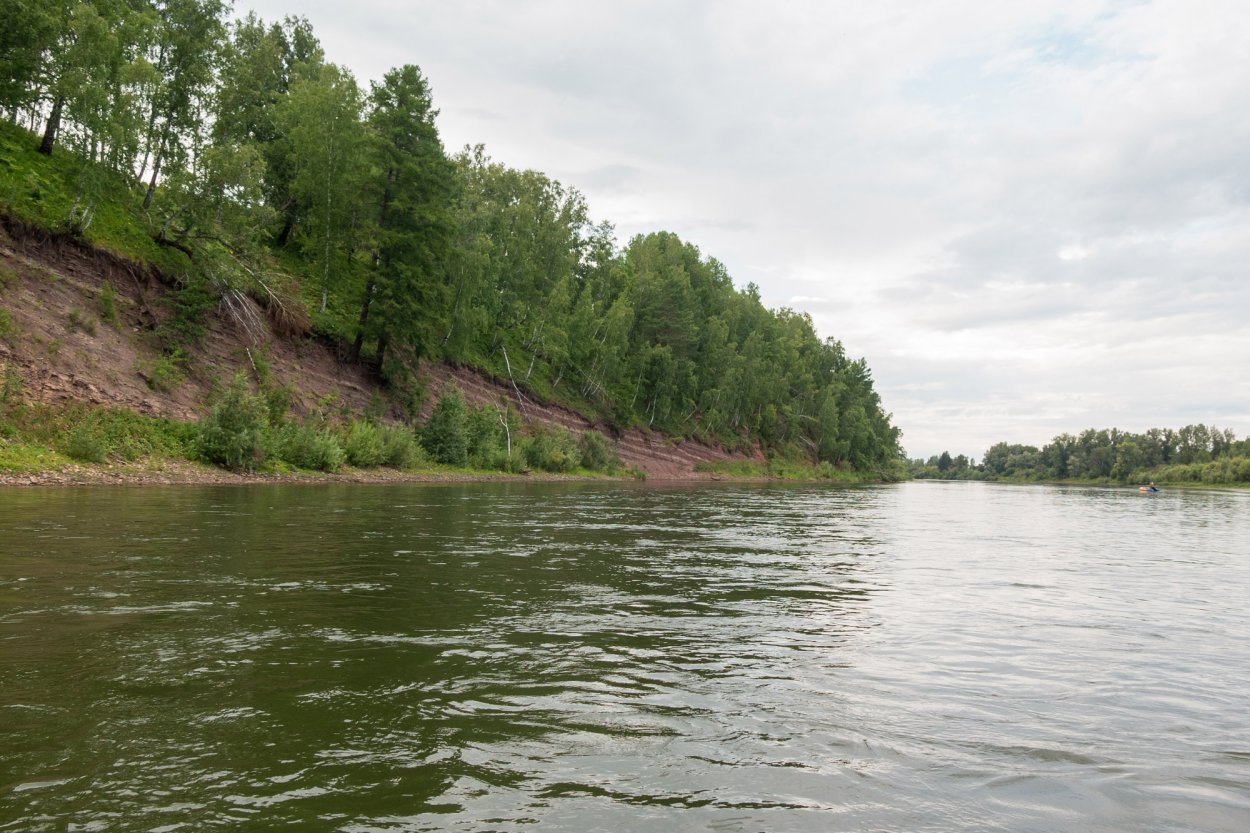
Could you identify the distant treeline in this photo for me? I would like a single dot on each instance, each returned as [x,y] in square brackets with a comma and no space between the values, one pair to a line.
[246,158]
[1193,454]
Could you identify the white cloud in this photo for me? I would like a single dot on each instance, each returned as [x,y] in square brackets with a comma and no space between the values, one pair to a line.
[1029,217]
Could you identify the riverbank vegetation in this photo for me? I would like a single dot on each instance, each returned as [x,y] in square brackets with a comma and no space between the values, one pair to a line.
[264,184]
[249,432]
[1192,454]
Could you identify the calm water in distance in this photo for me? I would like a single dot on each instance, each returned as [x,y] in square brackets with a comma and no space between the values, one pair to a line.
[620,657]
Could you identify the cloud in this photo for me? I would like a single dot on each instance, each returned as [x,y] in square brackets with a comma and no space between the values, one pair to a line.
[1028,217]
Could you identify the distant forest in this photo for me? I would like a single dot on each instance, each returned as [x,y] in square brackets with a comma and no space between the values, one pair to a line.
[257,169]
[1193,454]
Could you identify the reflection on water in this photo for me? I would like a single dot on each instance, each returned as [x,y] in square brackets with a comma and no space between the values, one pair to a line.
[617,658]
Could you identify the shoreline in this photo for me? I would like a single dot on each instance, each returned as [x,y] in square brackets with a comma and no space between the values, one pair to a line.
[178,473]
[186,473]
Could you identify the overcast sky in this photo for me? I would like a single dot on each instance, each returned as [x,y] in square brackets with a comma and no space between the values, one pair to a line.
[1029,218]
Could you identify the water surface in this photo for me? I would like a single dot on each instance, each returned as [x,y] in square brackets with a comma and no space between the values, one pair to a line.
[624,658]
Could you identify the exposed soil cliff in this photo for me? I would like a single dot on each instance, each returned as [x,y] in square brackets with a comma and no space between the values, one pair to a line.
[50,287]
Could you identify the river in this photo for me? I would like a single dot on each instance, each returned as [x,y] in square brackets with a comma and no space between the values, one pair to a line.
[621,657]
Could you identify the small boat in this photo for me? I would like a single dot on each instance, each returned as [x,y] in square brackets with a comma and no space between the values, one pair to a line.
[1148,490]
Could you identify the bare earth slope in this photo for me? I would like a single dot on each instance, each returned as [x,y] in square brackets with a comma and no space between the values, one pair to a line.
[50,285]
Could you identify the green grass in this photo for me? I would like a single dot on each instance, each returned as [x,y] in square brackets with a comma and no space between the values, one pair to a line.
[40,190]
[39,437]
[22,457]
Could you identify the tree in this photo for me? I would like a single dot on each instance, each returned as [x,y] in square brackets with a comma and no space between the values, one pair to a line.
[189,37]
[27,39]
[81,44]
[405,297]
[259,64]
[445,434]
[321,117]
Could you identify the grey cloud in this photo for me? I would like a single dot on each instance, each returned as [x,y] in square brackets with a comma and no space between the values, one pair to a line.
[914,170]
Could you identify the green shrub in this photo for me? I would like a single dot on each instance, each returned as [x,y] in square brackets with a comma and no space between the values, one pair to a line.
[86,442]
[233,434]
[95,435]
[362,442]
[106,303]
[278,403]
[551,449]
[190,304]
[310,446]
[130,436]
[11,385]
[483,437]
[8,327]
[399,448]
[445,434]
[166,373]
[596,452]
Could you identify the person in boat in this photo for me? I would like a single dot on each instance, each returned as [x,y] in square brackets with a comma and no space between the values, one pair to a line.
[1151,488]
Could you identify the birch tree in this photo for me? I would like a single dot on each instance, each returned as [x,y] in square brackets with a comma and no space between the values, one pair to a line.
[321,118]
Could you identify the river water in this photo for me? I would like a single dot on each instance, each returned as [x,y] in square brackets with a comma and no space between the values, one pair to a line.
[621,657]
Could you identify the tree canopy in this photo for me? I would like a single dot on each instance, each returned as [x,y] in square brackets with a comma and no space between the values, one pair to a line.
[239,144]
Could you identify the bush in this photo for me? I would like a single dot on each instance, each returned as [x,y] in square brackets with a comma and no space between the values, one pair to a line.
[278,403]
[95,435]
[399,448]
[130,436]
[482,437]
[233,435]
[596,452]
[362,442]
[9,330]
[445,434]
[190,305]
[310,446]
[11,386]
[552,449]
[85,442]
[106,303]
[166,374]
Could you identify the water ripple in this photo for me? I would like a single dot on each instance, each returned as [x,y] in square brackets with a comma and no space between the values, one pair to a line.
[962,657]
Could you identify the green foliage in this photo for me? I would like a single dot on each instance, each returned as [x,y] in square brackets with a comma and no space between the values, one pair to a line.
[24,457]
[10,385]
[9,331]
[1223,470]
[256,151]
[551,449]
[167,372]
[482,437]
[86,443]
[278,402]
[798,469]
[93,434]
[445,434]
[1191,454]
[320,117]
[106,304]
[310,445]
[190,304]
[405,301]
[595,452]
[400,449]
[363,443]
[233,435]
[945,467]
